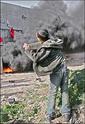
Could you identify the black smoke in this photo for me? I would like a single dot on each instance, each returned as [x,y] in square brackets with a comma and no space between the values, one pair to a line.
[50,15]
[14,57]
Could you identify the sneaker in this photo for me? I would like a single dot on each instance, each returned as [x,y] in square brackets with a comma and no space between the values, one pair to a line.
[53,116]
[66,118]
[47,120]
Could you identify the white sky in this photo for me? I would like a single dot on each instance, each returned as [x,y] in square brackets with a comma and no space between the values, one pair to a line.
[30,3]
[71,4]
[23,3]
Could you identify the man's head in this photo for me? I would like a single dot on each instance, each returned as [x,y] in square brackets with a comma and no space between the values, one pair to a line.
[42,35]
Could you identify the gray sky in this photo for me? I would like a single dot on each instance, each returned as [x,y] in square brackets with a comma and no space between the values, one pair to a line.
[71,4]
[23,3]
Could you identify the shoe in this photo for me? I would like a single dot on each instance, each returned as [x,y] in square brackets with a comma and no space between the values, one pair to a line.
[53,116]
[47,120]
[66,118]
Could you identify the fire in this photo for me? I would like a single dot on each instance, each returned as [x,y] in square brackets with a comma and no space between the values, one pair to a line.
[8,70]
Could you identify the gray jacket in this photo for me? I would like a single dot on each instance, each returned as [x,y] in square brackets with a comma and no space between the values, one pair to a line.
[48,57]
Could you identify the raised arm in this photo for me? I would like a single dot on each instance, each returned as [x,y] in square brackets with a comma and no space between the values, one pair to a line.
[31,46]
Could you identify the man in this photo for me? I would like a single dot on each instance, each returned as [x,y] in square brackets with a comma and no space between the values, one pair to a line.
[49,59]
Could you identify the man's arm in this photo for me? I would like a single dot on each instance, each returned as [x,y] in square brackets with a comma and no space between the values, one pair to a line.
[30,50]
[31,46]
[35,46]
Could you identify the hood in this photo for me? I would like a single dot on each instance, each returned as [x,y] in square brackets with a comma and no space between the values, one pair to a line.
[53,44]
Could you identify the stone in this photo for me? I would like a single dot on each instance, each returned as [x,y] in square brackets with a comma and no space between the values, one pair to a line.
[11,100]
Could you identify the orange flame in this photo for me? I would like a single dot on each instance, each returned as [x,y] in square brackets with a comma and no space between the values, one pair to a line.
[8,70]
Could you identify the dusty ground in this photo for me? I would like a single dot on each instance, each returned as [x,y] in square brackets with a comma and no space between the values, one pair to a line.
[19,84]
[75,59]
[25,88]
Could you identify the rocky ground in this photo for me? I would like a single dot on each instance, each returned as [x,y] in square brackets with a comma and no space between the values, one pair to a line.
[24,87]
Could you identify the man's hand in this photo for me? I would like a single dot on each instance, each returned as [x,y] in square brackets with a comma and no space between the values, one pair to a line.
[26,46]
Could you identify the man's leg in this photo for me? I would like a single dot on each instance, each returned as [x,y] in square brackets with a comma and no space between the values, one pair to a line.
[55,80]
[65,109]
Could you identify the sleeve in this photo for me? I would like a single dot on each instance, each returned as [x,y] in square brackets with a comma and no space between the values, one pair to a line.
[30,54]
[42,54]
[38,56]
[35,46]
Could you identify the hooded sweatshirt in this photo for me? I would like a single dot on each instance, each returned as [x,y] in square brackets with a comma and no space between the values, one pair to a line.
[48,57]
